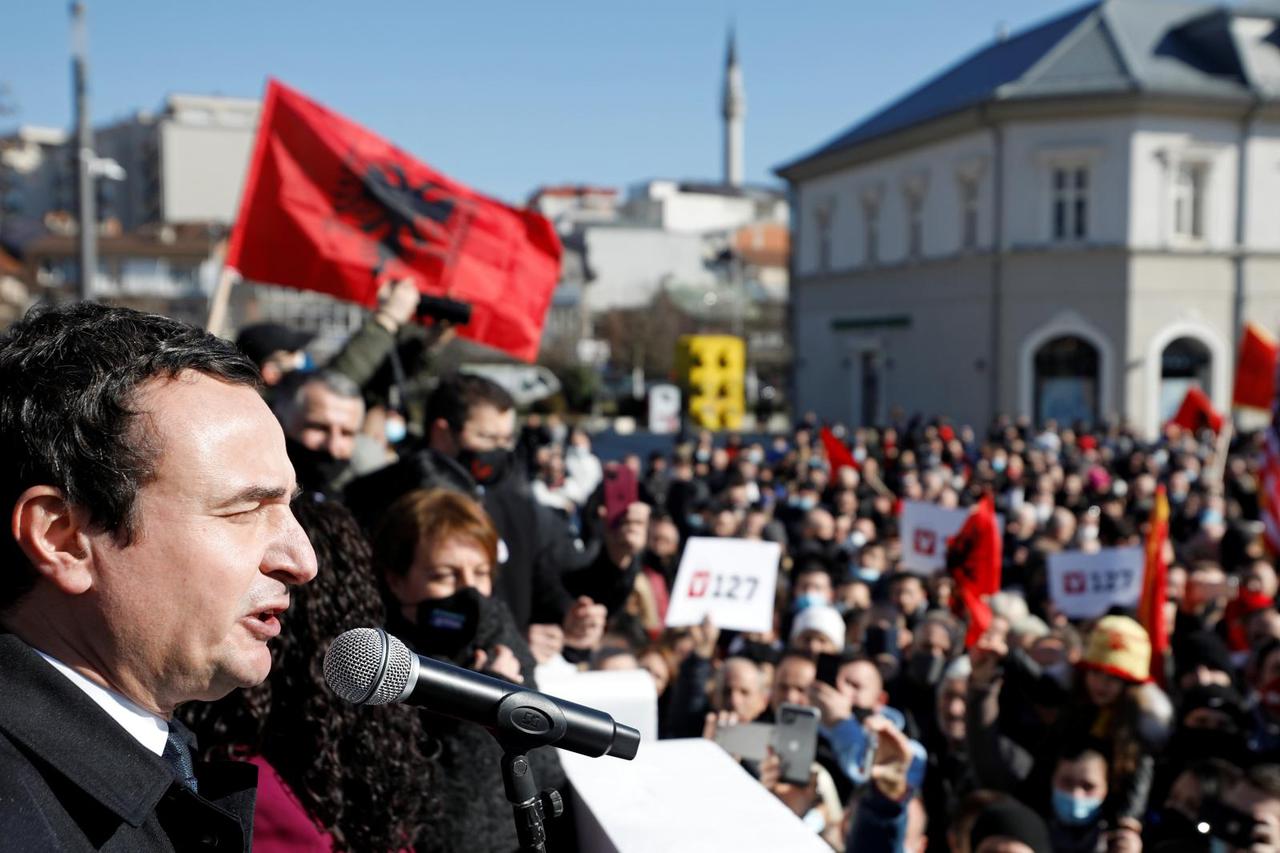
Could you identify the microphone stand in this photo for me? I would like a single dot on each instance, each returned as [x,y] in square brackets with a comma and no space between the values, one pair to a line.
[529,806]
[520,728]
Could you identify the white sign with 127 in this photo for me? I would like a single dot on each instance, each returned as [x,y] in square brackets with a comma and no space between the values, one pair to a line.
[733,580]
[1086,585]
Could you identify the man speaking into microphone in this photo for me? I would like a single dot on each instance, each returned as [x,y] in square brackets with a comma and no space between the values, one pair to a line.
[146,559]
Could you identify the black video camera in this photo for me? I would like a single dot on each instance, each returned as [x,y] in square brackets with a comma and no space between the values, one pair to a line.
[442,309]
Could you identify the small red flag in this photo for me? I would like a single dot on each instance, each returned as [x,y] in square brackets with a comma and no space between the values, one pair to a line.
[1256,369]
[837,454]
[974,556]
[1197,412]
[331,207]
[1155,576]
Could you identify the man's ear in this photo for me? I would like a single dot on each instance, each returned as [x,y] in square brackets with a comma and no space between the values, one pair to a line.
[440,437]
[271,373]
[52,535]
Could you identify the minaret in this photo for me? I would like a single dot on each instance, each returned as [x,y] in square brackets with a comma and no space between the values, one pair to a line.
[734,110]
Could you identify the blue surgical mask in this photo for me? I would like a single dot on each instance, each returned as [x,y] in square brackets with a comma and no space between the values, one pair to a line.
[396,430]
[998,464]
[1075,811]
[809,599]
[866,575]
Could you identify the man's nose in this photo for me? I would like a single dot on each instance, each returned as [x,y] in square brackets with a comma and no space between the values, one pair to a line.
[334,443]
[290,557]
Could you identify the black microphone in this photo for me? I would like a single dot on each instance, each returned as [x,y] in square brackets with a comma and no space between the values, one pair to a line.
[368,666]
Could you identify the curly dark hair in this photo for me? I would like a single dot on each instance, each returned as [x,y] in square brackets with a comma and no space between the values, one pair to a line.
[68,380]
[359,771]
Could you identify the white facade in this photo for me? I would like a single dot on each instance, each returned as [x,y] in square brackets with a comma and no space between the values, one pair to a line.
[1072,223]
[699,208]
[630,265]
[183,165]
[204,146]
[1156,264]
[35,172]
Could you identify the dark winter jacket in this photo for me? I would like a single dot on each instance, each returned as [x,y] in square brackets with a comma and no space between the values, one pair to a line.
[535,544]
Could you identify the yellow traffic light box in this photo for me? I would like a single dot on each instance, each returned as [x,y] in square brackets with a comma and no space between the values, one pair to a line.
[713,370]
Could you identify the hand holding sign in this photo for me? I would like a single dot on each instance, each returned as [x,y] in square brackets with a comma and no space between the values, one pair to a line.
[732,580]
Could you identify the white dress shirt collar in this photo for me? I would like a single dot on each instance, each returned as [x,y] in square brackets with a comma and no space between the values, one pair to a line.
[150,730]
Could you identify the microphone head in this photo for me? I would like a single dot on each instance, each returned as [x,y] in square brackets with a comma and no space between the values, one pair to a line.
[368,666]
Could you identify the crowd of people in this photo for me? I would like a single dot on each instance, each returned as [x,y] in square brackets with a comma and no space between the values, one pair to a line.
[500,542]
[1055,726]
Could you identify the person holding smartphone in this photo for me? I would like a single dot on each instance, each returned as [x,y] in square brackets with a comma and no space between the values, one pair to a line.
[881,820]
[858,695]
[1249,812]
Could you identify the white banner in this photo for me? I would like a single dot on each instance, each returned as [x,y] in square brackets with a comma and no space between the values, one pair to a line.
[735,580]
[664,409]
[1087,585]
[925,529]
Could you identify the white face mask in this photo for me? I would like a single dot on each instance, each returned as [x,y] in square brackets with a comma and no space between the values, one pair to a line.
[1088,533]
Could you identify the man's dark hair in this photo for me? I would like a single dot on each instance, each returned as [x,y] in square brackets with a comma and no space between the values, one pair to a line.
[69,378]
[457,394]
[1080,747]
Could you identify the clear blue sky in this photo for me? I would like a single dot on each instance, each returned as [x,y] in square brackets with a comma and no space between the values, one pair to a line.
[509,95]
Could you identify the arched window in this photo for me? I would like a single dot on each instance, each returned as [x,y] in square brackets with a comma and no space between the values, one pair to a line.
[1185,362]
[1066,381]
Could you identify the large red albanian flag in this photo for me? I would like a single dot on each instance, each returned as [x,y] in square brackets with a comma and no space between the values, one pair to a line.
[329,206]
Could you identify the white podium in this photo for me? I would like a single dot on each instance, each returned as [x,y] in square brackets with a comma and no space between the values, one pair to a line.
[677,796]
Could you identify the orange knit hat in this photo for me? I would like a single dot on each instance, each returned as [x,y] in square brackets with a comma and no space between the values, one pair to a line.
[1119,646]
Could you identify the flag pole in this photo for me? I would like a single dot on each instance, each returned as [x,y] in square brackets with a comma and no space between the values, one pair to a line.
[220,300]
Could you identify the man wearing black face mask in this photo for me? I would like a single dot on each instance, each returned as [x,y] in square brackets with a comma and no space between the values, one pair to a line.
[468,447]
[321,414]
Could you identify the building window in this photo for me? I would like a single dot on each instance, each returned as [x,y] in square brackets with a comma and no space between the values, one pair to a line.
[969,214]
[822,218]
[1070,203]
[1188,201]
[870,198]
[873,235]
[915,226]
[1066,379]
[1186,363]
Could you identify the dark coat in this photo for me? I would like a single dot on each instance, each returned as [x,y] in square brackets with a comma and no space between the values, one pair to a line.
[474,815]
[72,779]
[538,546]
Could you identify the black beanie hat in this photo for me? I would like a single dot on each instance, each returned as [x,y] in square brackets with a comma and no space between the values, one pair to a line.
[1202,647]
[1011,819]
